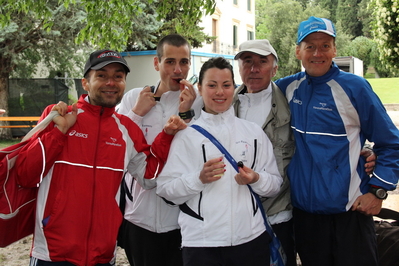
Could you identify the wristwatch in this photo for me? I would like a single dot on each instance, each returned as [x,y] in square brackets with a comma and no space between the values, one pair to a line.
[380,193]
[187,115]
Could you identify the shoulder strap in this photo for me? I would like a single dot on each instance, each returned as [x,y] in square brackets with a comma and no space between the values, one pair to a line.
[217,144]
[388,214]
[42,125]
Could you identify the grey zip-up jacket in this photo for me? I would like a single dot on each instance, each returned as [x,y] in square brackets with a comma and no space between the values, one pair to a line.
[277,128]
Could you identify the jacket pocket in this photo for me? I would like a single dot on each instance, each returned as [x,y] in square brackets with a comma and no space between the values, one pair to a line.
[189,211]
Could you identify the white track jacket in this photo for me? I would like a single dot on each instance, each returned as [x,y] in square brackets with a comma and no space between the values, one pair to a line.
[221,213]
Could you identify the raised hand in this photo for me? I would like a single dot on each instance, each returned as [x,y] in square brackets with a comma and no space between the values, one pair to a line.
[187,96]
[144,102]
[174,125]
[64,120]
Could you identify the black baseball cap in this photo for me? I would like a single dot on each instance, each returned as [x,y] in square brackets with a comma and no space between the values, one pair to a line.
[101,58]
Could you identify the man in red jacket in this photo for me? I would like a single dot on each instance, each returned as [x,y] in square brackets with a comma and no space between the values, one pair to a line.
[79,163]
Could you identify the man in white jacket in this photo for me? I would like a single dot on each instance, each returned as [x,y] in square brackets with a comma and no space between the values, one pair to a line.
[150,227]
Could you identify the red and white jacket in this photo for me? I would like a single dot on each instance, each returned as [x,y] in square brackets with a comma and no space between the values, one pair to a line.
[77,213]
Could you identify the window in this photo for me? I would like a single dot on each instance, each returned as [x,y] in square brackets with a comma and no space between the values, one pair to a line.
[249,5]
[235,31]
[215,27]
[235,2]
[250,35]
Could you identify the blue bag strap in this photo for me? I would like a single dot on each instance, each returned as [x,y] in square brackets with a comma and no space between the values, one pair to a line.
[227,155]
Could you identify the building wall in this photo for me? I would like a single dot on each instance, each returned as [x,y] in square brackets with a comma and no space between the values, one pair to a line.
[229,14]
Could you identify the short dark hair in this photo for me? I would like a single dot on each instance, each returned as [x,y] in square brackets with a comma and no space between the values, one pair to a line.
[174,40]
[218,62]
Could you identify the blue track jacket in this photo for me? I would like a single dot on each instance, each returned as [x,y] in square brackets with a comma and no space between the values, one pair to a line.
[332,116]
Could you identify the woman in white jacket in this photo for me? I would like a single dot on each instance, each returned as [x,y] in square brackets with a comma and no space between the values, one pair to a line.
[219,218]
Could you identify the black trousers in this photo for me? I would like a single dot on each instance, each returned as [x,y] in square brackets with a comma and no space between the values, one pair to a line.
[146,248]
[253,253]
[344,239]
[285,233]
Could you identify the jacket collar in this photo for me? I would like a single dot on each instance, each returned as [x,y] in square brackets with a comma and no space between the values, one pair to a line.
[84,104]
[279,110]
[221,118]
[332,72]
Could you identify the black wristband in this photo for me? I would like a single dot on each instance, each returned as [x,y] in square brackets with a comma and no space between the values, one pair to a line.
[187,115]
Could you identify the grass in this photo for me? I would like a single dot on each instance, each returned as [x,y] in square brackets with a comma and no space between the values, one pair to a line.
[7,142]
[386,88]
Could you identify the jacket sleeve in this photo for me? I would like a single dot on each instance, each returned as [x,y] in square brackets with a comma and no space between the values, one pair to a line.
[148,161]
[179,180]
[38,156]
[127,103]
[377,127]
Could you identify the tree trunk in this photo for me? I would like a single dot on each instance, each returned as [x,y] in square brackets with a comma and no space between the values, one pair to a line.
[5,133]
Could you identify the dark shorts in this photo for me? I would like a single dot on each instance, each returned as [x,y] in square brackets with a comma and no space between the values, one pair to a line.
[253,253]
[146,248]
[344,239]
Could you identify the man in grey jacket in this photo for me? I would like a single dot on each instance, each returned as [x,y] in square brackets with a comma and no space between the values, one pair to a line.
[259,100]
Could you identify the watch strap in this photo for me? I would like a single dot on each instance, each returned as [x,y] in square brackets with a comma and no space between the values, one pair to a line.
[187,115]
[374,190]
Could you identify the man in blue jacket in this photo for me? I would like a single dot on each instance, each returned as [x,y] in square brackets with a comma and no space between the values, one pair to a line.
[333,114]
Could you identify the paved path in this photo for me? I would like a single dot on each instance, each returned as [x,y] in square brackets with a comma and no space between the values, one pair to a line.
[395,117]
[392,202]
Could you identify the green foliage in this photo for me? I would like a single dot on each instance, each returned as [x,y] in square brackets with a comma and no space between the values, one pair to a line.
[366,49]
[362,48]
[386,32]
[180,19]
[28,39]
[380,67]
[342,40]
[108,23]
[121,16]
[365,16]
[347,14]
[330,6]
[144,29]
[147,29]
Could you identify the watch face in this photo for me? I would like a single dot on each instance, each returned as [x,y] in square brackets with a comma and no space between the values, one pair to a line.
[380,193]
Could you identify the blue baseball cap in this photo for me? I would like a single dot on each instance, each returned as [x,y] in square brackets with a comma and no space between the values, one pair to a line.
[314,24]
